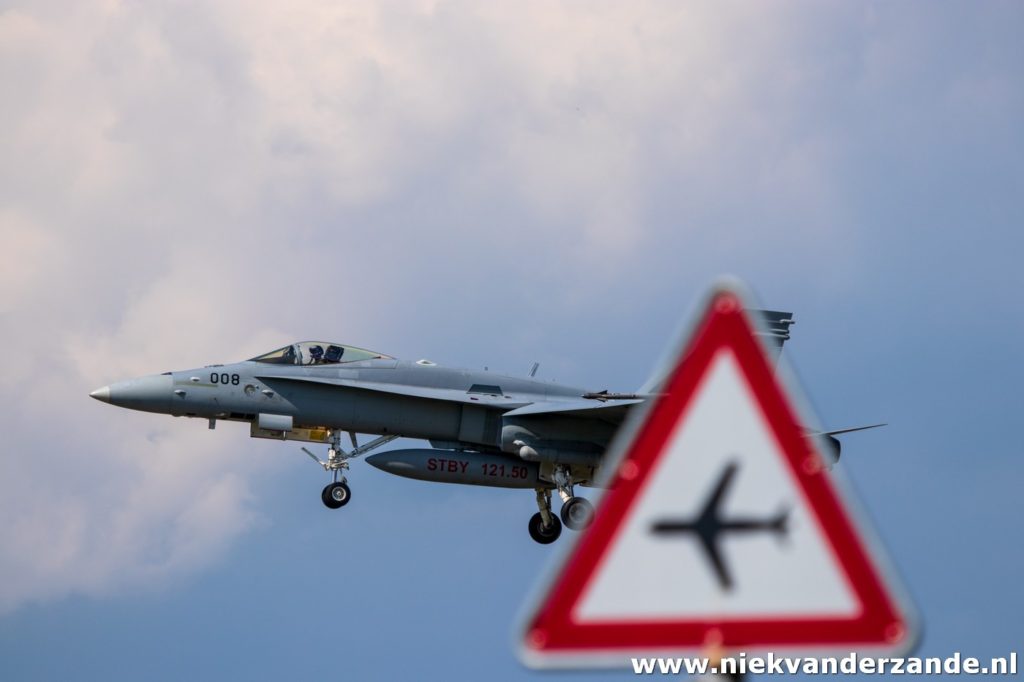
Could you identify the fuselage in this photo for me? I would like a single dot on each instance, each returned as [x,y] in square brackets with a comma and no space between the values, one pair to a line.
[374,396]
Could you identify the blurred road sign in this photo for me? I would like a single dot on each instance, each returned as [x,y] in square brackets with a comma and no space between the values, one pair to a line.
[722,529]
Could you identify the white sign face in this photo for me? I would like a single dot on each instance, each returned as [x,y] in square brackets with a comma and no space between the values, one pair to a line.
[721,524]
[764,568]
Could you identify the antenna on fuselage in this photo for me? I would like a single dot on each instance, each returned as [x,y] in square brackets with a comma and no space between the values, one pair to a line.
[533,370]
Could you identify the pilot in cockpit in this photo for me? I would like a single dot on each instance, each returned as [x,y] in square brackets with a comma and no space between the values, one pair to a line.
[289,356]
[316,355]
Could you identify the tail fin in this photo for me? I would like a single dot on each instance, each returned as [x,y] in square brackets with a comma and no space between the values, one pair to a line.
[772,325]
[774,329]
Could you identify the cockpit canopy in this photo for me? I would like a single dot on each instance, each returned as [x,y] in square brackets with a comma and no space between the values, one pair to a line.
[317,353]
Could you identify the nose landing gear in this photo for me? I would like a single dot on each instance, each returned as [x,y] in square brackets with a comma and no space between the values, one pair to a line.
[337,493]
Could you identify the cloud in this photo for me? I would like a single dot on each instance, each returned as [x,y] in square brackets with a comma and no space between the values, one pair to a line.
[182,185]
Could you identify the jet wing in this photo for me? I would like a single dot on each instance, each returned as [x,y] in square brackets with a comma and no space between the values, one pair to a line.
[445,394]
[613,411]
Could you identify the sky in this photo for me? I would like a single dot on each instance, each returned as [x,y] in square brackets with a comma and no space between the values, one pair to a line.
[481,184]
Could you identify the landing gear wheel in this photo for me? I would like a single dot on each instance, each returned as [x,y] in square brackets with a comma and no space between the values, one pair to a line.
[577,513]
[336,495]
[539,533]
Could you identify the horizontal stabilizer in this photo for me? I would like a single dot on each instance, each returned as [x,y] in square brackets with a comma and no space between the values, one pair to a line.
[834,447]
[838,432]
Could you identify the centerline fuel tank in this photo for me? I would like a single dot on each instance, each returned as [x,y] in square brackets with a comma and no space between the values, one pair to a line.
[454,466]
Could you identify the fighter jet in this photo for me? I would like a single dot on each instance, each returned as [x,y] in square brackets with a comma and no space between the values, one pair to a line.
[483,428]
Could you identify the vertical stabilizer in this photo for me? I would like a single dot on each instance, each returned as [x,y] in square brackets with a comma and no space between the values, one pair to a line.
[773,328]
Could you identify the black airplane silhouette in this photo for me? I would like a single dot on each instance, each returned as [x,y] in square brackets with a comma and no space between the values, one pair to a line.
[709,526]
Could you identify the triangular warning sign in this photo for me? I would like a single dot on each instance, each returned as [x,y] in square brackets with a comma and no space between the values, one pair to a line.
[721,527]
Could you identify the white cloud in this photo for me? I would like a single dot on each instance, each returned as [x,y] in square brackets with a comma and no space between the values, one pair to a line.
[181,185]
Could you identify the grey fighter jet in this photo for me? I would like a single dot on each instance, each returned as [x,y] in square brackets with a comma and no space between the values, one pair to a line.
[483,428]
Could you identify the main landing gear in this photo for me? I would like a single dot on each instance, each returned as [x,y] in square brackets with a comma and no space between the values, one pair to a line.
[337,493]
[577,513]
[544,526]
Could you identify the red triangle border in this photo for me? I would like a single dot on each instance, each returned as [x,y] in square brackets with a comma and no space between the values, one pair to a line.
[879,622]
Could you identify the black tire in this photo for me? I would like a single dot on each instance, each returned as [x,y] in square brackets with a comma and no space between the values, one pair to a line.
[577,513]
[539,533]
[336,495]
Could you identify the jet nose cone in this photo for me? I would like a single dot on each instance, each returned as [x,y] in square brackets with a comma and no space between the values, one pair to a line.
[148,393]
